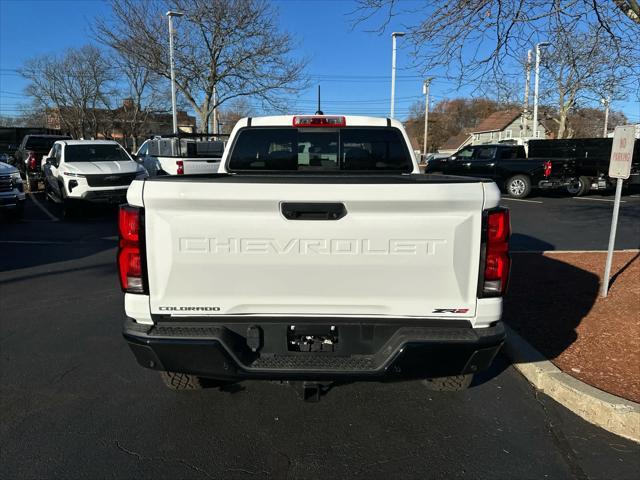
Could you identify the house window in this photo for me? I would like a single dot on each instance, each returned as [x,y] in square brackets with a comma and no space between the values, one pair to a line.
[476,137]
[491,136]
[508,134]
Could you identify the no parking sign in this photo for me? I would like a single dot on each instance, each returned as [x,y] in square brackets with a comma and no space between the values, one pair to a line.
[622,151]
[619,168]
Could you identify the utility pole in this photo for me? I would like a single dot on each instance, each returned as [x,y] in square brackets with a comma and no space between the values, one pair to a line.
[525,114]
[172,14]
[535,88]
[215,112]
[425,90]
[393,70]
[606,102]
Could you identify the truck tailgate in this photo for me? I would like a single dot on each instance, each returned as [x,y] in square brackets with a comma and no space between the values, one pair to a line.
[201,165]
[400,249]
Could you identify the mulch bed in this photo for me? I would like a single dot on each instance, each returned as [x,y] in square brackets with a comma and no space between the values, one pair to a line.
[554,303]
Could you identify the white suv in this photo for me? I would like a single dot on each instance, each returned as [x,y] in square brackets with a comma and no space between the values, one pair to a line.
[97,171]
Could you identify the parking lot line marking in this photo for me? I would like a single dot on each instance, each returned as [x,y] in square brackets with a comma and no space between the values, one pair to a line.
[43,208]
[521,200]
[596,199]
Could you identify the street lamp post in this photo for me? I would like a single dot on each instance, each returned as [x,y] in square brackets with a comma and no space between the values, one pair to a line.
[525,116]
[393,70]
[605,103]
[425,90]
[172,14]
[535,88]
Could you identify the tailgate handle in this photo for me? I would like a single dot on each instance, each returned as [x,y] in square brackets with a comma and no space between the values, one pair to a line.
[313,211]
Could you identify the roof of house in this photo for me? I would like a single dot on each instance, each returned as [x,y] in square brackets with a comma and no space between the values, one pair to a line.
[497,121]
[453,143]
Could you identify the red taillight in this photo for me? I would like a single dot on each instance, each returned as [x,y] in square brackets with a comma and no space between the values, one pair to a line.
[547,168]
[319,121]
[129,251]
[180,165]
[497,261]
[31,160]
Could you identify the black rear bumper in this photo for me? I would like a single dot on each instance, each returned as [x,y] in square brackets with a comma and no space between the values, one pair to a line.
[363,351]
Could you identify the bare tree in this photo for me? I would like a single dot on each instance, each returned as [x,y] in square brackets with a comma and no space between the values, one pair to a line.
[143,97]
[474,41]
[236,109]
[449,118]
[579,70]
[589,122]
[224,49]
[73,87]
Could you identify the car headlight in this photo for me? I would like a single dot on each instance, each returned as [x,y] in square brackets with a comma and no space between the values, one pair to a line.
[16,177]
[71,174]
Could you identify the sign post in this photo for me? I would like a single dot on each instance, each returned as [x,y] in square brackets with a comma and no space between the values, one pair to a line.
[619,168]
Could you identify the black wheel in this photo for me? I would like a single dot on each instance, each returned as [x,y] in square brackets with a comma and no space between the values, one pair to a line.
[518,186]
[579,187]
[455,383]
[181,381]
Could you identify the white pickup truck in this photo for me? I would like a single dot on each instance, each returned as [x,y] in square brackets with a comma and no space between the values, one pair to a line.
[318,253]
[187,154]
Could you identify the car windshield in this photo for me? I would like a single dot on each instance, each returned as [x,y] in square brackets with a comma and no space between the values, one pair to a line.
[322,150]
[95,153]
[42,143]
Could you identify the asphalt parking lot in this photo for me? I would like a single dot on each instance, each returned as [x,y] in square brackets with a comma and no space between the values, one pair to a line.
[557,222]
[75,404]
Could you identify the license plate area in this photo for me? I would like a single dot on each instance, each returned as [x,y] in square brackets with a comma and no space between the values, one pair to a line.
[312,338]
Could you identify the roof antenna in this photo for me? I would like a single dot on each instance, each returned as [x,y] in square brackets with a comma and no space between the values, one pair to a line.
[319,112]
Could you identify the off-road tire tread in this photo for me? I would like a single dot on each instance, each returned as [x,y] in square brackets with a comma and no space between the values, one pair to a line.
[181,381]
[454,383]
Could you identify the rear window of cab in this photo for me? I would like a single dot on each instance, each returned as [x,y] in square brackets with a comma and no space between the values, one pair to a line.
[291,149]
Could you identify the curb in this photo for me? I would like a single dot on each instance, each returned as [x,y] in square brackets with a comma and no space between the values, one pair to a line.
[603,409]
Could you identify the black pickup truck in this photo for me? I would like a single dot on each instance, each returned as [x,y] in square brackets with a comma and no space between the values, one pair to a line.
[507,165]
[28,156]
[590,158]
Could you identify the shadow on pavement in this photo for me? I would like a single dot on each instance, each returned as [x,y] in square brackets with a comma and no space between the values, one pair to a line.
[36,240]
[547,300]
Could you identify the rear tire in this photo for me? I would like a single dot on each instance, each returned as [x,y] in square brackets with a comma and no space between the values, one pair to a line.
[181,381]
[454,383]
[518,186]
[580,188]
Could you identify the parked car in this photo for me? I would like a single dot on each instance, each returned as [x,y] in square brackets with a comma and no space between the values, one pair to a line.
[180,155]
[590,158]
[29,154]
[12,195]
[433,160]
[97,171]
[508,166]
[316,254]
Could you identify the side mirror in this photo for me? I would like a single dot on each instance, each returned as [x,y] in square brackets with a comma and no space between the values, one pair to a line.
[51,161]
